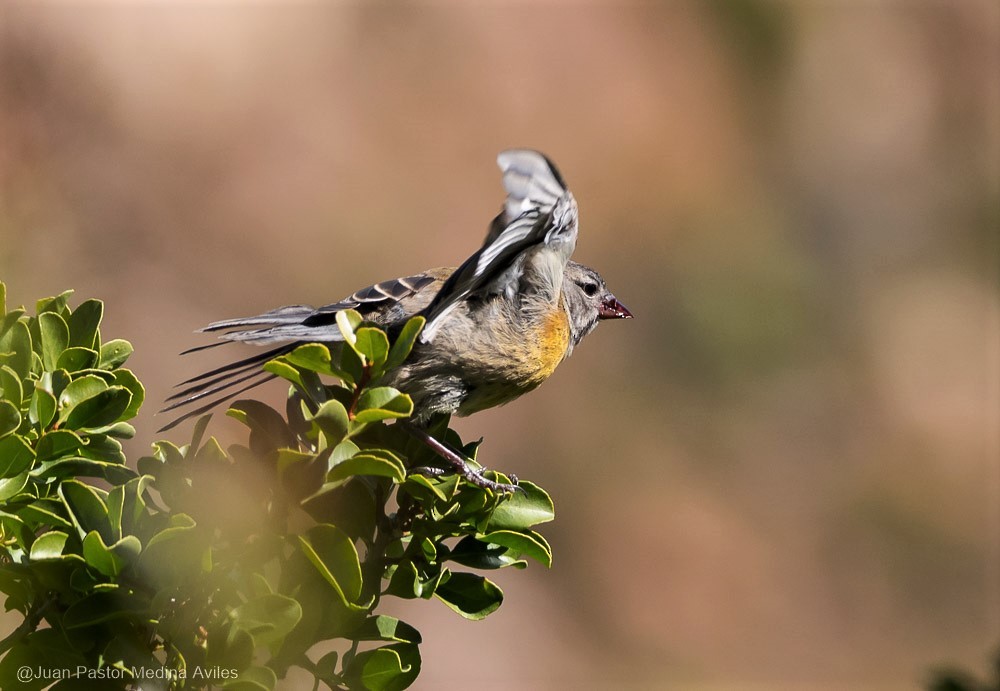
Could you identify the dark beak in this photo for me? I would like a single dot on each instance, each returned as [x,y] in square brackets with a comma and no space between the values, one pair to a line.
[612,309]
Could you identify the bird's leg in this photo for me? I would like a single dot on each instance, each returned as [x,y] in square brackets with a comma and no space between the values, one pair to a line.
[456,460]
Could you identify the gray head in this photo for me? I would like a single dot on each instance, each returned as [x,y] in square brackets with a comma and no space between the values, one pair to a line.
[588,301]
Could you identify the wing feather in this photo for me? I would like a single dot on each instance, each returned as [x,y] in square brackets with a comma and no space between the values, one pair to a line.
[538,210]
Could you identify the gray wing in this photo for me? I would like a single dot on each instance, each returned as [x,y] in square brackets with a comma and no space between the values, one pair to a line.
[538,210]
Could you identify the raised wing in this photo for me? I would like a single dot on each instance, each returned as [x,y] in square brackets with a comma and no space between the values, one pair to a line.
[538,210]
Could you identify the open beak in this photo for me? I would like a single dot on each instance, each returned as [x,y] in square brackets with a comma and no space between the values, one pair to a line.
[612,309]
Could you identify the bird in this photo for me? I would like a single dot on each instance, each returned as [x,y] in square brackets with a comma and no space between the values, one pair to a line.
[496,327]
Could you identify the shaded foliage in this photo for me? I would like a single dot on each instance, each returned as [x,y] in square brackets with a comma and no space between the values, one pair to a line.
[144,574]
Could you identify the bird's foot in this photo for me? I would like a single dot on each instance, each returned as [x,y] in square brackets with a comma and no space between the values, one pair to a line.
[474,475]
[461,465]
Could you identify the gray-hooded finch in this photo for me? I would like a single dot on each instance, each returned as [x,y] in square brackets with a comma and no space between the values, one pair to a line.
[497,326]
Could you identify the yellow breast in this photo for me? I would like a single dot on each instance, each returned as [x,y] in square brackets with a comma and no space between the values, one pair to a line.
[552,344]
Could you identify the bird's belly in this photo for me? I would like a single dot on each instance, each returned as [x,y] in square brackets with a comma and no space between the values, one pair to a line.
[486,368]
[491,394]
[504,376]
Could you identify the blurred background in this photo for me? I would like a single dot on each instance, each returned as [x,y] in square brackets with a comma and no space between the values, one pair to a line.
[783,474]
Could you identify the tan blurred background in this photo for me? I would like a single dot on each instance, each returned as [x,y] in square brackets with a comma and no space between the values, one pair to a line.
[783,474]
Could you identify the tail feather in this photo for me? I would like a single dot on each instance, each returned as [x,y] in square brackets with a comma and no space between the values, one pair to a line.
[241,364]
[211,387]
[198,349]
[290,314]
[286,332]
[286,328]
[220,380]
[204,384]
[211,404]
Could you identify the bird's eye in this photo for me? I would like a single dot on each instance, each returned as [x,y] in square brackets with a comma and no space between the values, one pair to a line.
[590,289]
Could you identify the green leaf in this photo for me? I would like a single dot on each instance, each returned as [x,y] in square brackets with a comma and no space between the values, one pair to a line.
[54,304]
[332,420]
[404,343]
[45,512]
[198,433]
[15,344]
[347,322]
[79,390]
[86,509]
[55,338]
[83,323]
[409,654]
[127,506]
[383,628]
[343,451]
[115,353]
[3,298]
[11,486]
[253,679]
[10,386]
[334,555]
[373,344]
[350,364]
[290,460]
[68,467]
[314,357]
[105,606]
[382,403]
[229,647]
[100,410]
[380,669]
[284,370]
[301,473]
[168,452]
[56,382]
[16,456]
[101,447]
[326,667]
[177,553]
[110,560]
[118,430]
[42,408]
[368,463]
[17,534]
[48,546]
[268,618]
[469,594]
[350,507]
[407,582]
[126,379]
[35,651]
[10,419]
[521,510]
[442,491]
[479,555]
[59,442]
[7,322]
[76,359]
[268,429]
[527,543]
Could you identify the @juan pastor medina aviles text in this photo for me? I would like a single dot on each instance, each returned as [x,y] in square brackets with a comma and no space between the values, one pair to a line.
[27,673]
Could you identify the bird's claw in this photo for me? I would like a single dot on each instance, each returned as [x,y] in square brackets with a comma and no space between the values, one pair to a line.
[479,480]
[474,476]
[460,464]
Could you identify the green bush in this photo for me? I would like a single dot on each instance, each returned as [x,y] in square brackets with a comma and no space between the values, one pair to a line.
[126,574]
